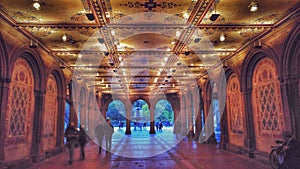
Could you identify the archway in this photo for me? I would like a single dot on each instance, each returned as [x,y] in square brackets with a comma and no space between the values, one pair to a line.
[140,115]
[163,115]
[116,112]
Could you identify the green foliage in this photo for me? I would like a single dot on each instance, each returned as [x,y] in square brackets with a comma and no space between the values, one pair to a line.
[163,111]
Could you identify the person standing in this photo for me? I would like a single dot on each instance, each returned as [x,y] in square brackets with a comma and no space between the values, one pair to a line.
[99,132]
[82,140]
[109,130]
[71,135]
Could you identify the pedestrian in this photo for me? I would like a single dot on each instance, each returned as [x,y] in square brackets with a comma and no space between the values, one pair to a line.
[82,140]
[99,132]
[160,126]
[71,135]
[191,133]
[109,130]
[177,129]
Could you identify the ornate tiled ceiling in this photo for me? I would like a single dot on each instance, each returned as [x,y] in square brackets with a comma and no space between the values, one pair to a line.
[137,46]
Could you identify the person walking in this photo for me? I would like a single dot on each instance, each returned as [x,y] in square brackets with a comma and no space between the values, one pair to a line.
[109,130]
[99,132]
[82,140]
[71,135]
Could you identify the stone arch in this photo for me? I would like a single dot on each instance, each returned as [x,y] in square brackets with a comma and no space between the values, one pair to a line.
[290,64]
[92,117]
[252,58]
[248,66]
[82,106]
[234,111]
[22,115]
[49,122]
[3,58]
[268,117]
[290,78]
[59,77]
[36,65]
[229,70]
[3,92]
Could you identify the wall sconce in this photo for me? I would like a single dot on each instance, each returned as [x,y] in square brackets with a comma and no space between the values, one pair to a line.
[222,37]
[258,44]
[253,6]
[225,65]
[33,44]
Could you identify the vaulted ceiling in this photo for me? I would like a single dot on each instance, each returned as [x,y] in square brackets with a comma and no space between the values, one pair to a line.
[135,46]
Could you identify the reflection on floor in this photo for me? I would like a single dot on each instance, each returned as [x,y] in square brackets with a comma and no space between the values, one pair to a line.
[162,150]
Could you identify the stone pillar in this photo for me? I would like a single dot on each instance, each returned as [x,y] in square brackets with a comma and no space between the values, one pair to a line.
[82,114]
[36,148]
[60,121]
[73,115]
[128,119]
[249,139]
[290,104]
[4,90]
[152,130]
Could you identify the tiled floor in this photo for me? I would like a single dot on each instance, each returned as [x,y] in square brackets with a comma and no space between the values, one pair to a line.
[163,150]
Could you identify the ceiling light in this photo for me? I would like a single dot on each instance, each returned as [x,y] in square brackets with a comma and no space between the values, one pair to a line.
[107,14]
[215,15]
[253,7]
[90,16]
[197,40]
[100,40]
[113,32]
[178,33]
[64,38]
[185,15]
[222,37]
[36,4]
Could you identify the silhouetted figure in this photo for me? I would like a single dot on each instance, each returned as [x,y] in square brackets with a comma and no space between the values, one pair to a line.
[191,130]
[157,125]
[82,140]
[160,126]
[71,135]
[99,132]
[177,129]
[109,130]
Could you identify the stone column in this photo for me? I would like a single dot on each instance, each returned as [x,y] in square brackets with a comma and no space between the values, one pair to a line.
[4,90]
[36,147]
[152,130]
[128,119]
[249,139]
[60,121]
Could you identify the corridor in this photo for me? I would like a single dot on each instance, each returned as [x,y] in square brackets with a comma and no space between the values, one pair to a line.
[137,151]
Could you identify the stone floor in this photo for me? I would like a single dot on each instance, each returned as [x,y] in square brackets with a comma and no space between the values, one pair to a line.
[143,151]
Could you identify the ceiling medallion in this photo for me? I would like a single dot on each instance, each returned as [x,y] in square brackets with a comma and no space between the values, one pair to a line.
[150,5]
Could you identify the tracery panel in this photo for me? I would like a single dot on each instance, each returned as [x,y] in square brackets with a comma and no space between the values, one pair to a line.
[267,104]
[20,111]
[50,114]
[234,107]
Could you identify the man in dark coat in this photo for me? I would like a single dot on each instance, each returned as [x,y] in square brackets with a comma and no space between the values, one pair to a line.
[99,132]
[82,140]
[109,130]
[71,135]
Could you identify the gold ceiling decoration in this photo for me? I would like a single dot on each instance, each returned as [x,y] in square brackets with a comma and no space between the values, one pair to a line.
[144,44]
